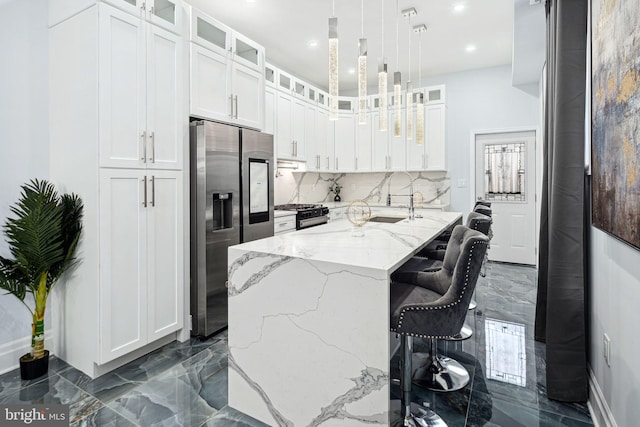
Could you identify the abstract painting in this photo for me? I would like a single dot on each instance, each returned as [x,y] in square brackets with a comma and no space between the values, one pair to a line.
[615,100]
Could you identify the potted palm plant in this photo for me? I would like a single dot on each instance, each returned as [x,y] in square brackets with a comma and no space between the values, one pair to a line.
[42,237]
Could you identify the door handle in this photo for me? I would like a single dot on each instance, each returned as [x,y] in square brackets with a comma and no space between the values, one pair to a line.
[143,6]
[153,191]
[336,163]
[152,10]
[231,105]
[152,137]
[144,184]
[318,162]
[235,98]
[356,163]
[143,137]
[327,162]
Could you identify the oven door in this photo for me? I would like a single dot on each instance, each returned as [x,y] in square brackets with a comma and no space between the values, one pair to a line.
[310,222]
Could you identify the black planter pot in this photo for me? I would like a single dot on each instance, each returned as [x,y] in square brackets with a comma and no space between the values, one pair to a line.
[33,368]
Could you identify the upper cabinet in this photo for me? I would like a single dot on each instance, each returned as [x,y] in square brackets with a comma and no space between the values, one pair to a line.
[163,13]
[227,74]
[139,93]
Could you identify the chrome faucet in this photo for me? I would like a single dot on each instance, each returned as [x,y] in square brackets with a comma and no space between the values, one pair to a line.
[411,209]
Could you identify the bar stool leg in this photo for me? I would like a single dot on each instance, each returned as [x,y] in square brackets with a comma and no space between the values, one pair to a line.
[413,414]
[440,373]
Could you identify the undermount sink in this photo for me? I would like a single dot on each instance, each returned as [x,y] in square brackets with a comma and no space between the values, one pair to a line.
[387,219]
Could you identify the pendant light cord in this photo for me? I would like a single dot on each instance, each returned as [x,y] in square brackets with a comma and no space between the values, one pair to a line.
[397,45]
[410,31]
[333,8]
[362,18]
[382,30]
[420,59]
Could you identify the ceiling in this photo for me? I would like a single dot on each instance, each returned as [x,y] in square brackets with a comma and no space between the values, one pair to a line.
[284,28]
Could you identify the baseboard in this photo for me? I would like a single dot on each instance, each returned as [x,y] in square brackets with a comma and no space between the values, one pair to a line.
[11,352]
[598,407]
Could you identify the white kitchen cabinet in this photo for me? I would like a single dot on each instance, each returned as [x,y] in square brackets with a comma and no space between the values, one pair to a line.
[345,143]
[284,224]
[290,127]
[141,296]
[270,110]
[162,13]
[325,137]
[139,93]
[227,80]
[430,155]
[388,151]
[363,144]
[126,296]
[312,139]
[435,137]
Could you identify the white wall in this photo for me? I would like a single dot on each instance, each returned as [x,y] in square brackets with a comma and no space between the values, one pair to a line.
[24,139]
[614,309]
[478,100]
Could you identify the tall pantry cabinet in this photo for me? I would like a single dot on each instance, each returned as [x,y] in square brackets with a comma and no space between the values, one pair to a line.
[117,140]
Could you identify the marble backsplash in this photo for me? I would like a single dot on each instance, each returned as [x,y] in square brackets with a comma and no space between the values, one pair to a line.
[313,187]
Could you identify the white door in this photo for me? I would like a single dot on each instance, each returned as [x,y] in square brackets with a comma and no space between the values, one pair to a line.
[322,139]
[397,145]
[123,264]
[505,176]
[164,249]
[269,111]
[164,75]
[165,13]
[122,89]
[210,97]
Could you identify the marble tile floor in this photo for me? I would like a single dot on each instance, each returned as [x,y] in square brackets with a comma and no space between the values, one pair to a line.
[185,384]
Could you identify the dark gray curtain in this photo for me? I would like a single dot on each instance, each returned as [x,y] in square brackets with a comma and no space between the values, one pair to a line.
[560,309]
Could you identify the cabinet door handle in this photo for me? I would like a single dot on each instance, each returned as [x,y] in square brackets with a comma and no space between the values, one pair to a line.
[235,99]
[318,162]
[336,163]
[327,162]
[152,137]
[153,191]
[143,137]
[143,6]
[152,10]
[356,163]
[231,105]
[144,185]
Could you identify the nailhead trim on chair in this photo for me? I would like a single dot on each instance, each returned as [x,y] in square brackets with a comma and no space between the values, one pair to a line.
[414,308]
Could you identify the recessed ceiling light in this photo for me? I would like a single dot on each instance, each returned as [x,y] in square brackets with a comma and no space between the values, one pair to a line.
[470,48]
[312,43]
[352,70]
[459,7]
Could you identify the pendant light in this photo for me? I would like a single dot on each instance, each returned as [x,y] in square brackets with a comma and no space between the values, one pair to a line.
[397,87]
[382,84]
[408,13]
[362,72]
[333,65]
[420,96]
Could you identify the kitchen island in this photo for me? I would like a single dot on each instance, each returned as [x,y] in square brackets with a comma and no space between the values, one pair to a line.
[309,320]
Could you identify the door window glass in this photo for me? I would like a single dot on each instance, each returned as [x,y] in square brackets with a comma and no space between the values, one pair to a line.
[504,172]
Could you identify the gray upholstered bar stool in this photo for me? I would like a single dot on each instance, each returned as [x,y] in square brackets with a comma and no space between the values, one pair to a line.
[433,261]
[434,306]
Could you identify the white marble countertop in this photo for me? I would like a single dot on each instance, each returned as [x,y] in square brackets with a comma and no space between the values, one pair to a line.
[337,205]
[278,214]
[382,246]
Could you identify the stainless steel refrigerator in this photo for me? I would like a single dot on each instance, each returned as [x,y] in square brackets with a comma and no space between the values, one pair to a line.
[231,202]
